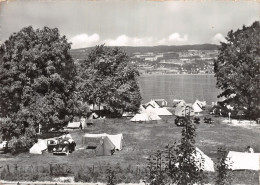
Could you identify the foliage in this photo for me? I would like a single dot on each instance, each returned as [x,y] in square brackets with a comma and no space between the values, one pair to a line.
[224,176]
[37,82]
[178,164]
[108,78]
[237,69]
[111,177]
[188,169]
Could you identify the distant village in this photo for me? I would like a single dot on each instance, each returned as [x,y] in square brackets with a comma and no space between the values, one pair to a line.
[179,62]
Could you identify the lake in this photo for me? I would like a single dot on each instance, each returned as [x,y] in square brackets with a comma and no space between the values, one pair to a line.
[181,86]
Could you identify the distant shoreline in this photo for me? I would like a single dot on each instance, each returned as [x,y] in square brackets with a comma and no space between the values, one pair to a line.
[162,74]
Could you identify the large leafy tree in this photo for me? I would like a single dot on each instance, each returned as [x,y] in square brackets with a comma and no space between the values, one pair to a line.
[37,82]
[108,78]
[237,69]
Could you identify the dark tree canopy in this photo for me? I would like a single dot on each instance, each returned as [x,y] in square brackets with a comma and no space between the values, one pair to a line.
[237,69]
[108,78]
[37,81]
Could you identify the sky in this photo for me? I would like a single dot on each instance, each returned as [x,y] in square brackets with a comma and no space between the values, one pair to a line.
[88,23]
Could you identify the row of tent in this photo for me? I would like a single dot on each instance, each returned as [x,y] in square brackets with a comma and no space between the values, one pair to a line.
[151,111]
[183,109]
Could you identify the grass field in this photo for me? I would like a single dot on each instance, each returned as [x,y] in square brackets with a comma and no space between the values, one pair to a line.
[142,139]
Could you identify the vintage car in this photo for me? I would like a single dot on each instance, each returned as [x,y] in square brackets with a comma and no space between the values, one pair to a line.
[208,120]
[64,146]
[179,121]
[196,120]
[4,147]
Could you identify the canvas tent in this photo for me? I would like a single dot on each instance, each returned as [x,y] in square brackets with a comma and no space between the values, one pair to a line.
[208,164]
[146,116]
[178,102]
[117,139]
[161,102]
[39,147]
[73,125]
[181,110]
[153,103]
[163,112]
[140,117]
[243,161]
[105,147]
[197,107]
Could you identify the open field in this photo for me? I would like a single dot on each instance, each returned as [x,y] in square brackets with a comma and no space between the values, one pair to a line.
[142,139]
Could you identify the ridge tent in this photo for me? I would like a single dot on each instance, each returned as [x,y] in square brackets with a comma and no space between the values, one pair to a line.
[197,106]
[161,102]
[140,117]
[243,161]
[153,103]
[153,116]
[181,110]
[116,140]
[73,125]
[208,163]
[93,138]
[105,147]
[38,147]
[163,111]
[128,114]
[178,102]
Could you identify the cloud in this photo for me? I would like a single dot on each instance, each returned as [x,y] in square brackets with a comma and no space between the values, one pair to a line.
[173,39]
[218,38]
[84,40]
[176,37]
[124,40]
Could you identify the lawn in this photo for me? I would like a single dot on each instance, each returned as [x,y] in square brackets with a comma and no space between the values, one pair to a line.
[142,139]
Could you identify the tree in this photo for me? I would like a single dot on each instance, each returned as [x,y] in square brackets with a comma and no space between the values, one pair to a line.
[237,69]
[37,82]
[188,170]
[108,78]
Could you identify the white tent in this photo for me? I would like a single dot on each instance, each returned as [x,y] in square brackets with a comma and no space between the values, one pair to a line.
[140,117]
[105,147]
[39,147]
[153,116]
[197,106]
[117,139]
[181,110]
[73,125]
[178,102]
[243,161]
[163,111]
[208,164]
[153,103]
[128,114]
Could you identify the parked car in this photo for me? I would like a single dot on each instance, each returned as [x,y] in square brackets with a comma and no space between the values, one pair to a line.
[179,121]
[4,147]
[208,120]
[196,120]
[64,146]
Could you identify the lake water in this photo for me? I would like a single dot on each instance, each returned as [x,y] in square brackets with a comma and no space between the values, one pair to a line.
[187,87]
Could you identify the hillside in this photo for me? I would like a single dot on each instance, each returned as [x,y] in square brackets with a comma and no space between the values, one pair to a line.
[82,52]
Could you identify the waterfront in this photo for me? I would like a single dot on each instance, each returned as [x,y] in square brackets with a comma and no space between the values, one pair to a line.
[179,86]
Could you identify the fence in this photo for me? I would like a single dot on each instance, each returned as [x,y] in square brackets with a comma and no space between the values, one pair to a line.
[82,173]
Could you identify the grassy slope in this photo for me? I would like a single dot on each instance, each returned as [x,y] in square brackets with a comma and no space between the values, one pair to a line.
[143,139]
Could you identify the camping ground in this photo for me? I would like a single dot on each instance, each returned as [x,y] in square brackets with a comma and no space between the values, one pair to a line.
[143,139]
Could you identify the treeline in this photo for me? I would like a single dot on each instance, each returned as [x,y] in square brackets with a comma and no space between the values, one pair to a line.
[40,85]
